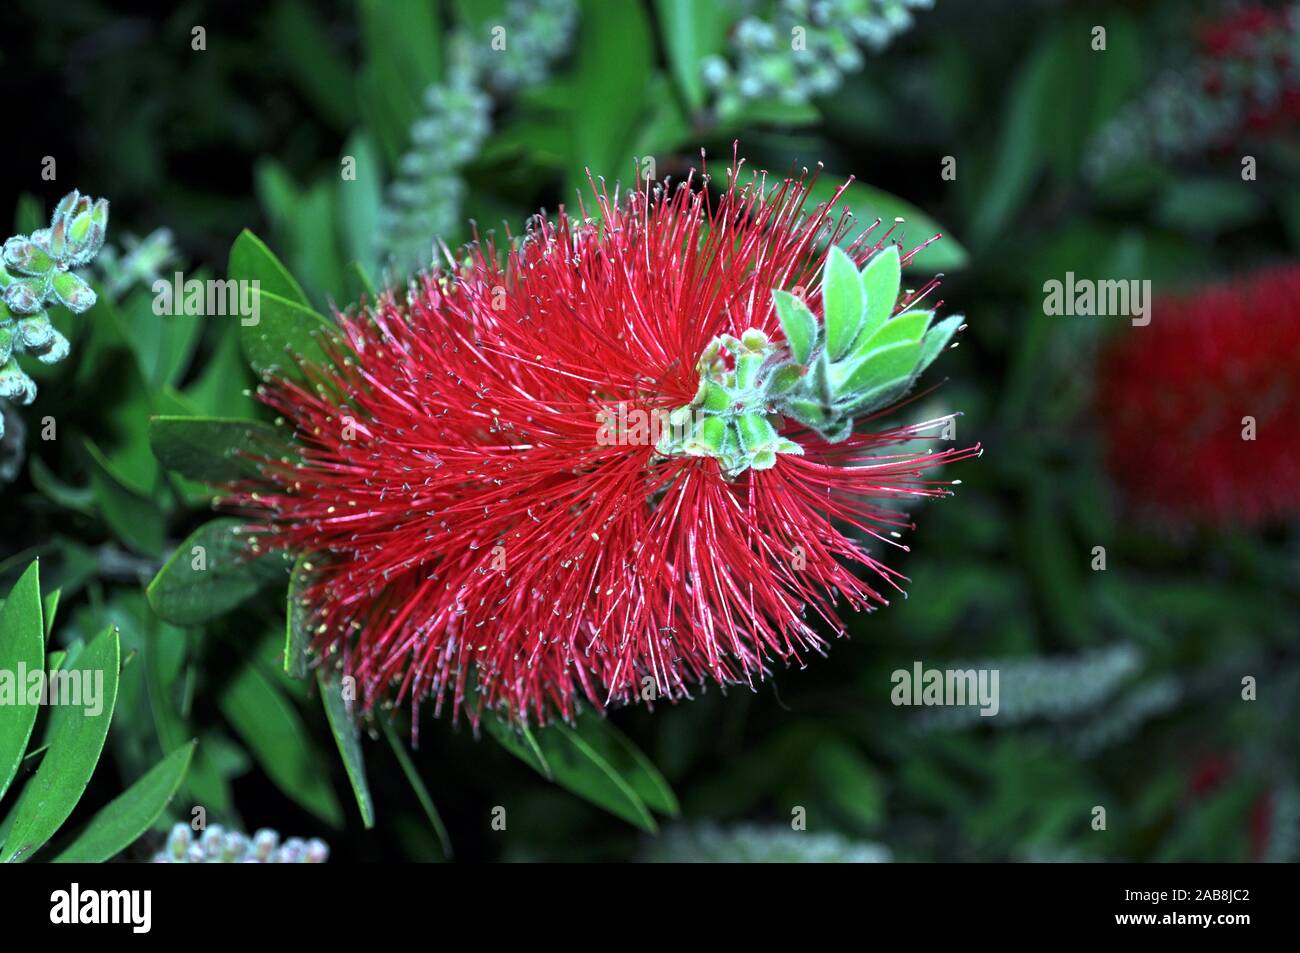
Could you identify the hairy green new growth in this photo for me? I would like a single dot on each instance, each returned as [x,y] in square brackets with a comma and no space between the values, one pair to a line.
[38,271]
[853,361]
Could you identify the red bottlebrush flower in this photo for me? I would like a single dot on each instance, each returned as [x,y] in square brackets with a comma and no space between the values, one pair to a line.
[477,536]
[1201,407]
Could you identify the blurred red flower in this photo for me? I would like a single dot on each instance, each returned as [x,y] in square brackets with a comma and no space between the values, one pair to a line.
[1201,409]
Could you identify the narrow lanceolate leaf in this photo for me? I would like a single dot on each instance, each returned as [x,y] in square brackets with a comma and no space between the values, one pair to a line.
[937,339]
[625,757]
[417,785]
[580,768]
[251,260]
[348,738]
[212,449]
[22,646]
[211,572]
[297,639]
[121,823]
[692,31]
[51,608]
[798,324]
[841,302]
[520,742]
[76,738]
[272,730]
[881,279]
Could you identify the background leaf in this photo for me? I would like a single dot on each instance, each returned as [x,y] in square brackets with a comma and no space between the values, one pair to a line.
[348,738]
[22,646]
[272,730]
[231,573]
[129,815]
[75,738]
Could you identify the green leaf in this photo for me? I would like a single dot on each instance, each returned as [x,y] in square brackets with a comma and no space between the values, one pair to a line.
[879,366]
[272,730]
[360,200]
[877,396]
[798,324]
[357,282]
[76,739]
[251,260]
[936,339]
[195,586]
[630,762]
[520,742]
[403,56]
[208,448]
[693,30]
[50,606]
[579,768]
[224,385]
[163,345]
[284,329]
[881,279]
[850,782]
[907,327]
[611,76]
[417,784]
[348,738]
[133,517]
[303,48]
[868,204]
[78,499]
[130,814]
[842,302]
[297,638]
[808,412]
[22,644]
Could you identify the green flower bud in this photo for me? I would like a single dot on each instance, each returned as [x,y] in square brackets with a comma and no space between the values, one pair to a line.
[26,295]
[86,233]
[707,439]
[35,331]
[25,257]
[73,293]
[712,398]
[16,385]
[755,432]
[55,351]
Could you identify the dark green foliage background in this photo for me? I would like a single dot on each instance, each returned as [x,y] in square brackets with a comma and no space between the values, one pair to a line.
[249,134]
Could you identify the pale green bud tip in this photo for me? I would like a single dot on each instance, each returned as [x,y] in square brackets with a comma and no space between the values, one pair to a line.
[730,417]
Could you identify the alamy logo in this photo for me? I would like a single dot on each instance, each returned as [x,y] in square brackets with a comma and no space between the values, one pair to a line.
[1082,297]
[73,906]
[71,687]
[949,687]
[197,298]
